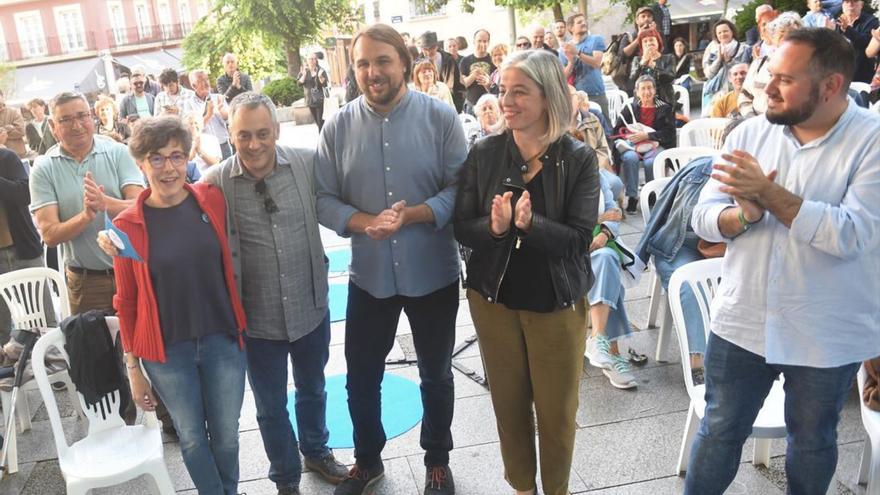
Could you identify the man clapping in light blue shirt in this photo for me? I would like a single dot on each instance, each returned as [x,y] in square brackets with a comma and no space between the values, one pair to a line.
[385,174]
[797,203]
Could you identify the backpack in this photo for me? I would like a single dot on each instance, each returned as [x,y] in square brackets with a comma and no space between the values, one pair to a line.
[615,63]
[611,58]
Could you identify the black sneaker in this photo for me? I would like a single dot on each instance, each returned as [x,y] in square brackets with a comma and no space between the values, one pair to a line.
[632,205]
[328,467]
[360,480]
[288,489]
[438,481]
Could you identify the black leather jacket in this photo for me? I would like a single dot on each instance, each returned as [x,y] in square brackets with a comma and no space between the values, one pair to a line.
[571,190]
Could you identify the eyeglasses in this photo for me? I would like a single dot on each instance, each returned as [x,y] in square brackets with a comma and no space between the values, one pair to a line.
[81,117]
[158,160]
[524,45]
[263,190]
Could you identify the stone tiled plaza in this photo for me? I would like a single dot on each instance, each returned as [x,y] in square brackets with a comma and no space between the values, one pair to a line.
[627,442]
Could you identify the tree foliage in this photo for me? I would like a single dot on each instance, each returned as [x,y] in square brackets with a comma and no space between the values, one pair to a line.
[7,79]
[745,17]
[258,55]
[290,23]
[525,5]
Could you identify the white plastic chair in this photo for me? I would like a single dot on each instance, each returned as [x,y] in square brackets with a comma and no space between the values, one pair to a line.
[616,101]
[469,124]
[704,277]
[875,107]
[683,97]
[111,453]
[649,194]
[23,292]
[703,132]
[860,87]
[670,161]
[869,468]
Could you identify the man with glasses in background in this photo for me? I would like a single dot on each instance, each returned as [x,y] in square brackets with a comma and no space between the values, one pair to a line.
[73,186]
[279,264]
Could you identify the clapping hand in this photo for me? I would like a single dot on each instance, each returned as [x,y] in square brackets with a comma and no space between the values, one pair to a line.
[93,196]
[499,218]
[744,179]
[387,222]
[523,212]
[236,79]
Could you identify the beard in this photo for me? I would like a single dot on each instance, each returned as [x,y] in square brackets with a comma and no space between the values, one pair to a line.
[386,96]
[796,115]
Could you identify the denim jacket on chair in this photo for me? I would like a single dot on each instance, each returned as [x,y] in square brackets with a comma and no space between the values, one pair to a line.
[670,221]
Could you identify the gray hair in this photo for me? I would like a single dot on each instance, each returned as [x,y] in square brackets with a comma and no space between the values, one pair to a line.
[66,97]
[543,68]
[193,74]
[787,21]
[645,78]
[252,100]
[490,99]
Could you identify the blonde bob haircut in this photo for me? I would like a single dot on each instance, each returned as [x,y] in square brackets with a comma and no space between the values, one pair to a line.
[543,68]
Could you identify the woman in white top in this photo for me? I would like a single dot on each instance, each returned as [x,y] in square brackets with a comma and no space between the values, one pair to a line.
[722,53]
[425,81]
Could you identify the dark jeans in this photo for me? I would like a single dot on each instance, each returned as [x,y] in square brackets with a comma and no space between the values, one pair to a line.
[318,114]
[370,327]
[737,382]
[267,372]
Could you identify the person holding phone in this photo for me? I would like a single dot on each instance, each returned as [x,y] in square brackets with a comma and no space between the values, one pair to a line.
[314,79]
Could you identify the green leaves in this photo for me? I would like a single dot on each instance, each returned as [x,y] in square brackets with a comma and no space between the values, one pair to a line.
[269,29]
[258,55]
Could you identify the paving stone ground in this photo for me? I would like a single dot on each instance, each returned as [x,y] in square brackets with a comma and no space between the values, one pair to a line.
[627,441]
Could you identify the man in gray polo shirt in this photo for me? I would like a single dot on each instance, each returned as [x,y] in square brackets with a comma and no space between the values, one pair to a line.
[73,186]
[279,260]
[386,173]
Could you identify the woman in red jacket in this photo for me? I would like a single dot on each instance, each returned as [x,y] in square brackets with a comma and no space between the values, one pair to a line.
[179,311]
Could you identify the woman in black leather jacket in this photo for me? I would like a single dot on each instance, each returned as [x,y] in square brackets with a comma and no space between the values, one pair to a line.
[526,206]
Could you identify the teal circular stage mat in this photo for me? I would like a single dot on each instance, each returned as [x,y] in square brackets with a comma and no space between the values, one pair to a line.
[401,409]
[339,260]
[338,296]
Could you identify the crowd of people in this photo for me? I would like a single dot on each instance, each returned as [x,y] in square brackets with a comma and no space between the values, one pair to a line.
[233,274]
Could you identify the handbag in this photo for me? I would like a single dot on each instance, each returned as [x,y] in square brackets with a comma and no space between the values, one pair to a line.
[641,148]
[711,249]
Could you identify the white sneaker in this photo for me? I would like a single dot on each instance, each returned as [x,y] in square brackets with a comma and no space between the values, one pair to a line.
[620,375]
[598,352]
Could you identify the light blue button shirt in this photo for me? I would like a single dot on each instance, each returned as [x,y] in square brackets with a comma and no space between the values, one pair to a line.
[807,295]
[367,162]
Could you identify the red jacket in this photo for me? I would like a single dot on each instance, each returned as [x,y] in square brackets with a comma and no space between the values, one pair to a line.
[135,301]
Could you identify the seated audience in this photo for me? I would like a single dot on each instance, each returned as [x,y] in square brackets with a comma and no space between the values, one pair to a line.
[655,114]
[682,59]
[752,99]
[650,61]
[488,114]
[726,105]
[722,53]
[672,247]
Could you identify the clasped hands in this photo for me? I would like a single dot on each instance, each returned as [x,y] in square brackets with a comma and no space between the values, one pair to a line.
[744,179]
[387,222]
[502,212]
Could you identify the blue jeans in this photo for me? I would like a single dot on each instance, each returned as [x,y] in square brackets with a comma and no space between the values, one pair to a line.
[608,290]
[267,373]
[693,321]
[614,183]
[630,164]
[202,385]
[737,382]
[370,327]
